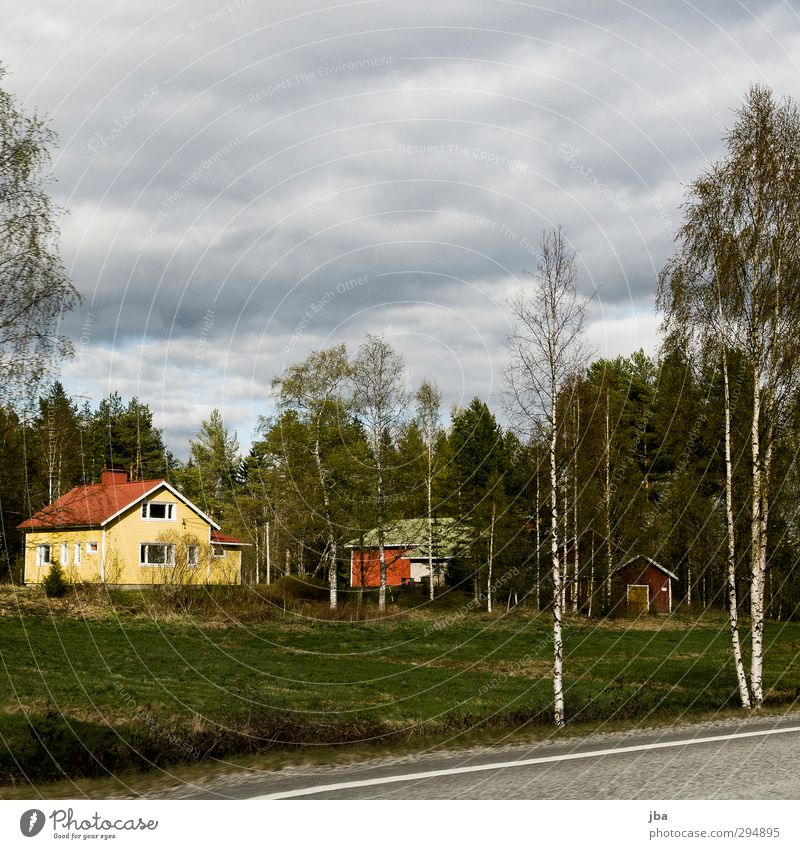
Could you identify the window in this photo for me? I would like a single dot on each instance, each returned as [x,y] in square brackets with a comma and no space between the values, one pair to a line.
[218,551]
[76,554]
[64,554]
[157,554]
[42,555]
[192,552]
[91,548]
[158,510]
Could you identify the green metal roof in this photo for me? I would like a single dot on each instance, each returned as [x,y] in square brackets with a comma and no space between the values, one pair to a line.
[450,537]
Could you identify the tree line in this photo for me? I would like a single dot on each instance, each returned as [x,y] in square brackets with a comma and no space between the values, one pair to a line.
[640,458]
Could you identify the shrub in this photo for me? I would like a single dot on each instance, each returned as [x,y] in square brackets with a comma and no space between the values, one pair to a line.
[55,582]
[302,588]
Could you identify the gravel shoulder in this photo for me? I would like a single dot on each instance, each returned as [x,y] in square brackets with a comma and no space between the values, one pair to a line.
[242,782]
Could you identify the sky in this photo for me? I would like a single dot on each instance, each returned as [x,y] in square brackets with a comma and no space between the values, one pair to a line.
[245,182]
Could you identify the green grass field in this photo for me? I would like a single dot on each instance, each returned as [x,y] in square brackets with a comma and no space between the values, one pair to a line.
[91,680]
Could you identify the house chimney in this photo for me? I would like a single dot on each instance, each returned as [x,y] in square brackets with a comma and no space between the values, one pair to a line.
[113,477]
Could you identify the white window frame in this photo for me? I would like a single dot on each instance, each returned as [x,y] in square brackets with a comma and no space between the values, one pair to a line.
[217,550]
[76,554]
[92,547]
[40,559]
[193,561]
[169,558]
[169,510]
[64,553]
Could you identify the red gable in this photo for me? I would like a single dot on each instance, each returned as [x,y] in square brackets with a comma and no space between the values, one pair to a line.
[89,506]
[224,539]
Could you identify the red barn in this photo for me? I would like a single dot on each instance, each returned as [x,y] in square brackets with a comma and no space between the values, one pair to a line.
[640,585]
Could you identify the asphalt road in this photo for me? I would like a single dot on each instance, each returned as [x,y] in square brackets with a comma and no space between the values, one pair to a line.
[754,759]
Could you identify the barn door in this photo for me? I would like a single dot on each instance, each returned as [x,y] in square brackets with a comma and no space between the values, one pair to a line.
[638,599]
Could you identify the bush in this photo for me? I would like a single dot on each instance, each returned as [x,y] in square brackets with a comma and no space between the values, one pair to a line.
[55,582]
[302,588]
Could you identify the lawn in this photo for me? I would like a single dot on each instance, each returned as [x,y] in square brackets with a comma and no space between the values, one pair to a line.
[95,683]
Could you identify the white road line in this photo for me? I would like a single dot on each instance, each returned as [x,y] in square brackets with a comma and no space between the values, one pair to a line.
[461,770]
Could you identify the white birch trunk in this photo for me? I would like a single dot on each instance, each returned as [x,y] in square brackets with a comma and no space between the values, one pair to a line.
[576,566]
[269,561]
[558,639]
[607,502]
[564,558]
[430,510]
[591,577]
[381,543]
[733,615]
[689,582]
[332,584]
[491,561]
[538,540]
[757,578]
[766,468]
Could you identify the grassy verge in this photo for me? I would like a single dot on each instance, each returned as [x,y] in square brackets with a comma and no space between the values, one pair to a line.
[100,684]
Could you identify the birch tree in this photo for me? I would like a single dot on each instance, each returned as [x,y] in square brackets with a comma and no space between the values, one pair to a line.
[538,520]
[34,288]
[429,401]
[733,284]
[315,388]
[547,349]
[380,397]
[575,545]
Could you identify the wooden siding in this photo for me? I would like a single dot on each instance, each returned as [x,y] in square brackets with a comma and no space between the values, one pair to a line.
[642,572]
[365,567]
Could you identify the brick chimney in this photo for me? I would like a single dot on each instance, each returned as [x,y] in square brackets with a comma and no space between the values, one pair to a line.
[113,477]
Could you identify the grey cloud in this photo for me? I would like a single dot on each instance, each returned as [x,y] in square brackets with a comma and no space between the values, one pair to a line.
[223,156]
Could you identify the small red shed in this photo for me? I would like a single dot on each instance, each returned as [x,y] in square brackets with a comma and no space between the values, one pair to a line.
[641,585]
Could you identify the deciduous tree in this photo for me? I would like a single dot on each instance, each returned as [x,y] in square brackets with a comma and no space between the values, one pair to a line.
[34,288]
[733,283]
[380,396]
[547,350]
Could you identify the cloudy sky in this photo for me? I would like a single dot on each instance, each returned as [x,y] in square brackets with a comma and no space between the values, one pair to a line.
[249,181]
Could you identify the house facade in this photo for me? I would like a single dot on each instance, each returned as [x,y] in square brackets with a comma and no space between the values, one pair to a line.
[132,533]
[406,553]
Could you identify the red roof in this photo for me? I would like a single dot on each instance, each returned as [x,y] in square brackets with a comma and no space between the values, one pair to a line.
[224,539]
[89,506]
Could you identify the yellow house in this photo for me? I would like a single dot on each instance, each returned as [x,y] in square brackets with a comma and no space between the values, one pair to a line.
[133,533]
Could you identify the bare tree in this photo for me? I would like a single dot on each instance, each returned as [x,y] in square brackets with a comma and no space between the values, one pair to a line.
[546,350]
[429,402]
[380,399]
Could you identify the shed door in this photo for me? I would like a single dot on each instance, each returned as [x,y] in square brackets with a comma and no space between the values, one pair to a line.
[638,598]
